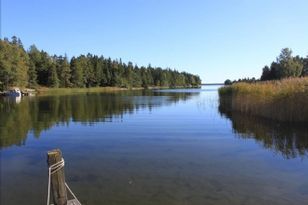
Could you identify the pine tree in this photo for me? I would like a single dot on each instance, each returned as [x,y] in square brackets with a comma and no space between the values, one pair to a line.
[53,80]
[32,82]
[64,72]
[77,72]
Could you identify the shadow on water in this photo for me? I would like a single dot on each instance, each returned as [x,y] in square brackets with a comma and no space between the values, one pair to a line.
[288,139]
[41,113]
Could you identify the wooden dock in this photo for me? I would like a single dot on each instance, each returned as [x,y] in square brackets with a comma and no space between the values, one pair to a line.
[56,181]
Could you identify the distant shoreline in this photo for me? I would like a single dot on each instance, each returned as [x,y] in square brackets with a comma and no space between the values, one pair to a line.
[45,91]
[212,84]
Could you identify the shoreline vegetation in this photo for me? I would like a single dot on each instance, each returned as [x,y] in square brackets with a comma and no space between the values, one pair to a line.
[46,91]
[67,91]
[34,68]
[283,100]
[280,94]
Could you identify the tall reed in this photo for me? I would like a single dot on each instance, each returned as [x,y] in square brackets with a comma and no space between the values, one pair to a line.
[283,100]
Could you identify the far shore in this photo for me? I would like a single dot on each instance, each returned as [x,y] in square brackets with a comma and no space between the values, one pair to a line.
[44,91]
[66,91]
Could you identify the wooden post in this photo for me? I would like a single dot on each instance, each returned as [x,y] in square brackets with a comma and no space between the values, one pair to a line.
[57,179]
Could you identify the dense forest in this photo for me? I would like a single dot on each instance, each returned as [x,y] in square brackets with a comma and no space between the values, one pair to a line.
[35,67]
[285,66]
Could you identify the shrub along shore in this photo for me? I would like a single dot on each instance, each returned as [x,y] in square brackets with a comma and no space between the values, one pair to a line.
[283,100]
[67,91]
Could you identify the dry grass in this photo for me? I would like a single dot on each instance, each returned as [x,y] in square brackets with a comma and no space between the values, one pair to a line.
[68,91]
[284,100]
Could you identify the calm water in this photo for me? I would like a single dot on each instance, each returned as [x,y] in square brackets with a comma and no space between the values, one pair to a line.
[143,148]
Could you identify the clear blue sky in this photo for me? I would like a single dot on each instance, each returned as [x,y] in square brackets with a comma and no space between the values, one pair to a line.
[216,39]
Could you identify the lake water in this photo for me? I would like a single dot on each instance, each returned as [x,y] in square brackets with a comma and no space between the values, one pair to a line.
[150,148]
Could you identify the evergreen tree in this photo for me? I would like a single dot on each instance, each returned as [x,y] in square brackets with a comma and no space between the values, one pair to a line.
[77,67]
[305,68]
[32,75]
[285,66]
[266,73]
[64,72]
[288,66]
[228,82]
[14,64]
[53,80]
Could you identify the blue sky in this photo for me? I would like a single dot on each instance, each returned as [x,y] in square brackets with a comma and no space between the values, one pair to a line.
[216,39]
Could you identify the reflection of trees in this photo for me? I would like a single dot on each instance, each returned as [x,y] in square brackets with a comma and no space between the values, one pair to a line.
[290,140]
[41,113]
[15,122]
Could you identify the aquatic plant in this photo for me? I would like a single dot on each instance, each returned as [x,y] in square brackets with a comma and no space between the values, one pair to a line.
[283,100]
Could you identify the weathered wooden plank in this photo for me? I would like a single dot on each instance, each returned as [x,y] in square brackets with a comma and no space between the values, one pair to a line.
[57,179]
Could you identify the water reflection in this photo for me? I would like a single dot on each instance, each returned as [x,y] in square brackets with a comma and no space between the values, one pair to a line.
[41,113]
[167,152]
[290,140]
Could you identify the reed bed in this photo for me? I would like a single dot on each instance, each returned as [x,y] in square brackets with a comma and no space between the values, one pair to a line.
[68,91]
[283,100]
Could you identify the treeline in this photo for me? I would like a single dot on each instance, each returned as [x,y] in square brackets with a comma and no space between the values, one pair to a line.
[35,67]
[243,80]
[285,66]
